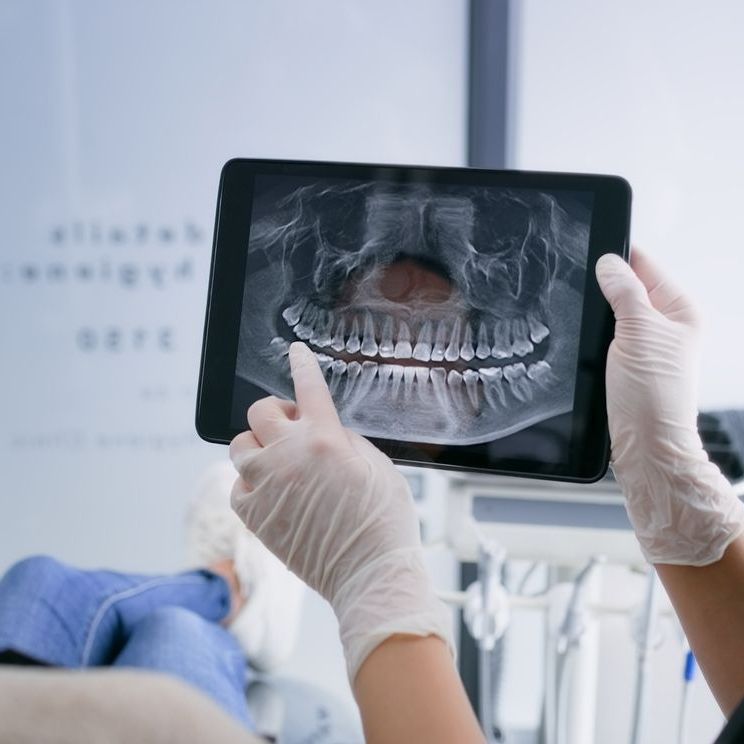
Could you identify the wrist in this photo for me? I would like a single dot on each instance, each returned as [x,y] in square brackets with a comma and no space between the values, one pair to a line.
[685,514]
[392,596]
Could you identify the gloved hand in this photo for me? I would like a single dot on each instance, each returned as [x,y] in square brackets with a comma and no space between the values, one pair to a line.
[334,509]
[682,508]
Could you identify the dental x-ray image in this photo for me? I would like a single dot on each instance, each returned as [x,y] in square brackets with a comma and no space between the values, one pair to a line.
[443,314]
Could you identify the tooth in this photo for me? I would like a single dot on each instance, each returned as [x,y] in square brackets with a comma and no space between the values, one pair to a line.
[316,328]
[337,342]
[493,387]
[386,348]
[353,370]
[422,350]
[302,332]
[501,344]
[522,344]
[422,376]
[304,329]
[279,346]
[353,344]
[439,383]
[385,371]
[483,349]
[294,312]
[523,384]
[321,335]
[369,345]
[515,375]
[540,372]
[454,378]
[338,367]
[538,369]
[453,348]
[325,338]
[466,350]
[366,378]
[538,331]
[397,377]
[403,347]
[471,385]
[409,375]
[437,353]
[324,362]
[514,371]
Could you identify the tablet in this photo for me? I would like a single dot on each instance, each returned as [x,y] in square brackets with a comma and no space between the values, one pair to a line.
[454,311]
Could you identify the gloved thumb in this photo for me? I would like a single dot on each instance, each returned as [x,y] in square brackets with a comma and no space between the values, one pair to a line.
[621,287]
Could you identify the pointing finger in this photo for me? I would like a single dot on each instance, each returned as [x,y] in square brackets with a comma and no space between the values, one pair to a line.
[311,392]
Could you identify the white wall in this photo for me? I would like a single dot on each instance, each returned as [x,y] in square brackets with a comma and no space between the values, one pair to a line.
[116,120]
[650,91]
[120,115]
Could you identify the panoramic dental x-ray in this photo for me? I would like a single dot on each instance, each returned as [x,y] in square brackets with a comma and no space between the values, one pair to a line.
[445,314]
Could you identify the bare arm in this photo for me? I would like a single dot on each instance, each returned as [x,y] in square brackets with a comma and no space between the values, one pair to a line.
[408,691]
[709,601]
[342,518]
[688,520]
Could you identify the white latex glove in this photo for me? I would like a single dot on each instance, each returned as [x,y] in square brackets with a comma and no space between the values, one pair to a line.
[335,510]
[682,508]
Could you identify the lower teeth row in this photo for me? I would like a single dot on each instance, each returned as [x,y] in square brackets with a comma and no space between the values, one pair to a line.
[488,380]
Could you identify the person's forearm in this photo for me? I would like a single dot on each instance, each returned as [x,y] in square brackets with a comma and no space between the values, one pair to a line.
[408,690]
[709,601]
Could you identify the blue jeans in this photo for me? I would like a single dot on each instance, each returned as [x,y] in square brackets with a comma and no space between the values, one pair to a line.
[61,616]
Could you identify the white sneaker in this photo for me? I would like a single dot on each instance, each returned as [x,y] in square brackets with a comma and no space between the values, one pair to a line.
[268,624]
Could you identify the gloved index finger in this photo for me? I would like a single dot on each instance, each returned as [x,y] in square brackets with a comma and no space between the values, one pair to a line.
[311,392]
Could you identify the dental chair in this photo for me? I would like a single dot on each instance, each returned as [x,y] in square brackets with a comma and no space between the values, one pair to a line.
[291,711]
[113,706]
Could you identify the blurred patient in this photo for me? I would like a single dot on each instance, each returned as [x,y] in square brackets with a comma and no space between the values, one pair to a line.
[209,627]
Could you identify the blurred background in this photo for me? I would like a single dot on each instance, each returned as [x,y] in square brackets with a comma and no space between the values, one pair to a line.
[116,119]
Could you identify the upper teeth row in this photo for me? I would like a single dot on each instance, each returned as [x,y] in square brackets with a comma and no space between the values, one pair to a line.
[436,340]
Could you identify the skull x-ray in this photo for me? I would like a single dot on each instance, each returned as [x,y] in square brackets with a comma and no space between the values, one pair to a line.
[443,314]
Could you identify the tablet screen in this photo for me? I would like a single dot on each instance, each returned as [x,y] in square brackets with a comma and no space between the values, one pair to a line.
[444,315]
[454,311]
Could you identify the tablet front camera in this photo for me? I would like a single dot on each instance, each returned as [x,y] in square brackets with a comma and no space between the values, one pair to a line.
[447,315]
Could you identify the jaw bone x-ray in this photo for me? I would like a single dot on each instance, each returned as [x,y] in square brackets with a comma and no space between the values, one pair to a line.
[439,314]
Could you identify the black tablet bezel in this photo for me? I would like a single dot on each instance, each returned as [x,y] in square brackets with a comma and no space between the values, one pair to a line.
[610,229]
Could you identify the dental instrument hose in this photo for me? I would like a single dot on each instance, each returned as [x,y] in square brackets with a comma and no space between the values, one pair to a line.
[569,638]
[485,696]
[565,671]
[643,641]
[486,567]
[687,677]
[495,661]
[488,632]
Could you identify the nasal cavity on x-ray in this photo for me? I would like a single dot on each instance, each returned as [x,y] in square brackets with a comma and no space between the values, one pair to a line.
[447,315]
